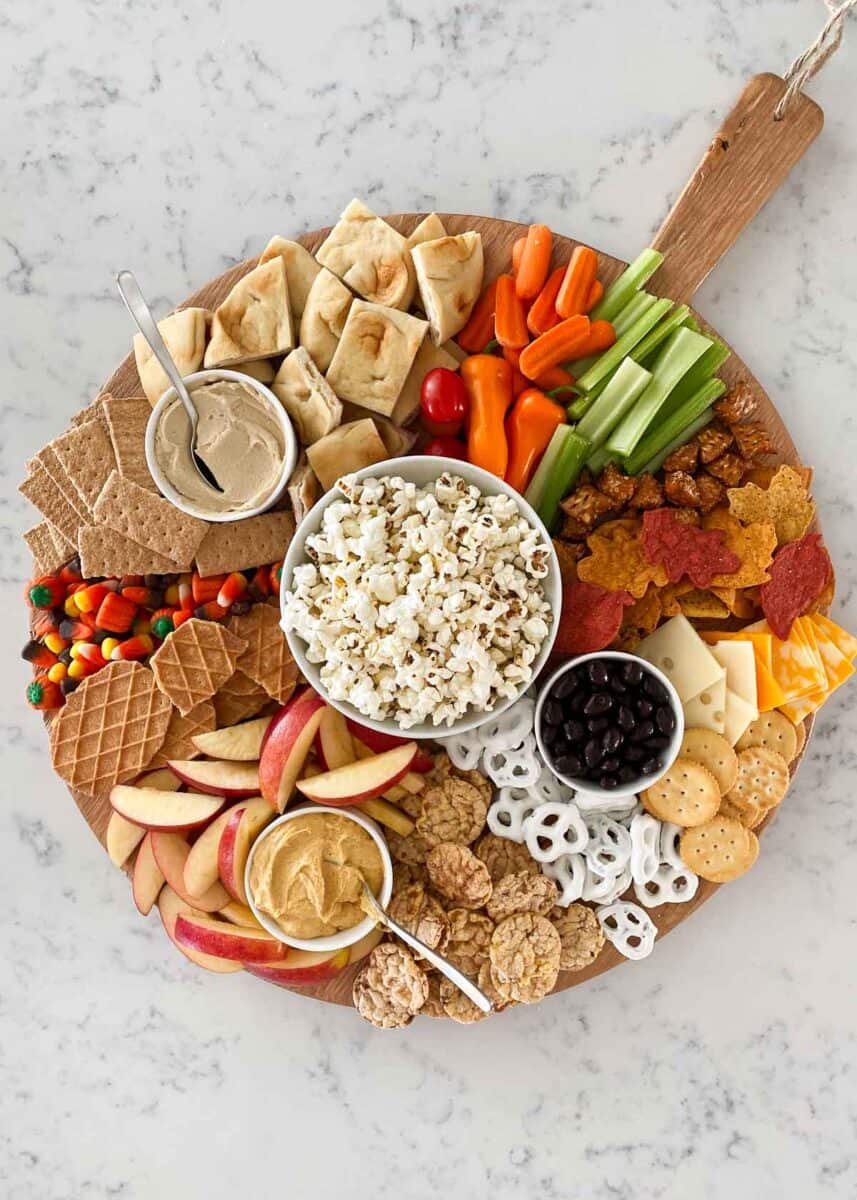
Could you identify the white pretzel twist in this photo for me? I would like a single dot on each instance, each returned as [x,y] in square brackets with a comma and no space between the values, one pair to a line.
[569,874]
[629,927]
[549,788]
[516,766]
[669,885]
[608,851]
[510,728]
[669,851]
[507,814]
[464,749]
[603,802]
[553,830]
[645,847]
[601,889]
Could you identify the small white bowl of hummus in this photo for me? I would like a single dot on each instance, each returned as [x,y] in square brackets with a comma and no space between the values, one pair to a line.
[304,877]
[244,435]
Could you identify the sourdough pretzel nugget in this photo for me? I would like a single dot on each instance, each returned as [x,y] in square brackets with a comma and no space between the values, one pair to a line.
[390,989]
[459,875]
[525,952]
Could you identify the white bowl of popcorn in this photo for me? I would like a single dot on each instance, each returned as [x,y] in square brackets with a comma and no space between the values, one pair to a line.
[421,596]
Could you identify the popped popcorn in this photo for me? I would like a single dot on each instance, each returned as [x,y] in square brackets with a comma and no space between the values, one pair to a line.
[421,602]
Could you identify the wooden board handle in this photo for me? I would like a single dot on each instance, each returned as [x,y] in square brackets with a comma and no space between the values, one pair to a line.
[748,159]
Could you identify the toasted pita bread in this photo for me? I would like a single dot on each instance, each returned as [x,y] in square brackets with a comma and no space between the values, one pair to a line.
[375,353]
[303,488]
[449,277]
[398,441]
[184,334]
[428,357]
[301,270]
[254,321]
[370,256]
[324,317]
[307,397]
[429,229]
[261,368]
[349,448]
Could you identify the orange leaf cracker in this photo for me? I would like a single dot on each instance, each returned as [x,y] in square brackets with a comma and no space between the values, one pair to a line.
[618,562]
[784,503]
[754,545]
[645,613]
[701,604]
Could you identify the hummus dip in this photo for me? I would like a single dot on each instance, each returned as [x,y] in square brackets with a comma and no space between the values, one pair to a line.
[307,874]
[238,437]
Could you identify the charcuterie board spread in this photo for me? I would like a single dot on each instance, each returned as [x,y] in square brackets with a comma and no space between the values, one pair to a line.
[538,683]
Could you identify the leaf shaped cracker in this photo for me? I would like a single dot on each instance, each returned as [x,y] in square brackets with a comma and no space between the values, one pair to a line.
[784,503]
[618,562]
[754,545]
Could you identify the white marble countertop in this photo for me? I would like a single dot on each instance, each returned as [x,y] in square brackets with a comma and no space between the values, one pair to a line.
[176,139]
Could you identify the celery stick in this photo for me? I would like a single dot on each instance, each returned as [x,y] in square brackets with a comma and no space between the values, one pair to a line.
[625,386]
[576,366]
[611,358]
[654,464]
[622,289]
[599,460]
[701,371]
[561,463]
[635,308]
[659,334]
[680,351]
[675,424]
[580,407]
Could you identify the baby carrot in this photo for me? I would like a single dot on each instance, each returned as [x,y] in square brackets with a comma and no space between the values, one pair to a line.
[554,377]
[596,291]
[479,330]
[510,323]
[532,269]
[556,346]
[601,336]
[517,254]
[581,271]
[520,383]
[543,315]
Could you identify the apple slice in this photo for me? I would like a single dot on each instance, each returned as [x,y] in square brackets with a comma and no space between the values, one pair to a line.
[234,780]
[302,967]
[333,742]
[239,914]
[170,907]
[122,838]
[207,935]
[161,779]
[376,741]
[201,870]
[238,743]
[148,878]
[171,852]
[387,814]
[240,832]
[286,746]
[172,811]
[411,783]
[361,780]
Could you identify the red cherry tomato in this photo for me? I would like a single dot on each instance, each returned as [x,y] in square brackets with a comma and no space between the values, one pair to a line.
[443,401]
[446,447]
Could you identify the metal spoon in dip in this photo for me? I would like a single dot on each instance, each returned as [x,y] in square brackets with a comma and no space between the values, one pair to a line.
[471,991]
[129,290]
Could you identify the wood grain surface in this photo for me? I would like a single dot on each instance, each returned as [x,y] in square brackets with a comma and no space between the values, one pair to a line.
[498,237]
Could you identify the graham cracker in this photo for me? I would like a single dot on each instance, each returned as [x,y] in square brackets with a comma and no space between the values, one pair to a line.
[46,556]
[235,545]
[48,459]
[240,697]
[93,411]
[148,519]
[267,659]
[105,552]
[180,731]
[42,491]
[109,728]
[195,661]
[126,418]
[85,453]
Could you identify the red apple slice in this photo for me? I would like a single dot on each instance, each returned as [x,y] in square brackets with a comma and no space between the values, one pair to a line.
[122,838]
[387,814]
[333,742]
[171,852]
[287,745]
[172,811]
[412,782]
[161,779]
[148,878]
[207,935]
[361,780]
[240,832]
[239,914]
[170,906]
[234,780]
[302,967]
[376,741]
[238,743]
[201,870]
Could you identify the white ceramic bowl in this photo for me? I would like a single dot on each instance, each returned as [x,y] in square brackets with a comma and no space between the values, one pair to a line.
[290,458]
[346,937]
[669,755]
[421,470]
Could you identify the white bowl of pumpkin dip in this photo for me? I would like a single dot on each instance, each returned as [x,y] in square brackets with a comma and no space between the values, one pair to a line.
[304,877]
[244,435]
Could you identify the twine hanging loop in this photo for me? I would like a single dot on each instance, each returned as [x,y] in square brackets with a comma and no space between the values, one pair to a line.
[816,55]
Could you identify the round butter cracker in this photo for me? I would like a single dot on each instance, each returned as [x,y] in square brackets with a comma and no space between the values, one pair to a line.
[773,731]
[720,850]
[763,780]
[686,795]
[714,752]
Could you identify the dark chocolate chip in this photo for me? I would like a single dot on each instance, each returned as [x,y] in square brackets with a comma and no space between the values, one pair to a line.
[597,671]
